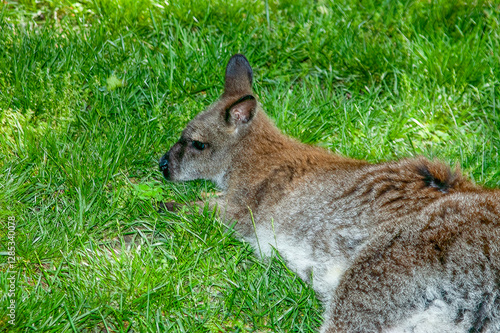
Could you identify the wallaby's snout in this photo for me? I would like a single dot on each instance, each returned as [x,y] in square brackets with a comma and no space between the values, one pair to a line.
[169,162]
[163,163]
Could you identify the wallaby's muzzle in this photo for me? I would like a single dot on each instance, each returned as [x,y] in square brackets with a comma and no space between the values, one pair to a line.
[163,163]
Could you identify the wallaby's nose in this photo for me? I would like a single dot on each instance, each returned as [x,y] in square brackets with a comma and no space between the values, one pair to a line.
[164,166]
[163,163]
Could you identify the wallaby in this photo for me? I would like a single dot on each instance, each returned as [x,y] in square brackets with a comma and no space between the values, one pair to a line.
[405,246]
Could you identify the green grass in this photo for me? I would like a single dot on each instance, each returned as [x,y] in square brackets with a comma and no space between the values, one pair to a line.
[378,80]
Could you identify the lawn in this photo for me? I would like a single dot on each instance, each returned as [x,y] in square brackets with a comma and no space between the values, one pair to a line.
[93,92]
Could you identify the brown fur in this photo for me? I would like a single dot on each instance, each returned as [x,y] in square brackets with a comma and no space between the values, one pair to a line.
[405,246]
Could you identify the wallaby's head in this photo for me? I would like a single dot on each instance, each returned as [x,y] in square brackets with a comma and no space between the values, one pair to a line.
[211,140]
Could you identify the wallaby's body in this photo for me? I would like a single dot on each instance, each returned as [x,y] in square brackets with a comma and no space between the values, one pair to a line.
[404,246]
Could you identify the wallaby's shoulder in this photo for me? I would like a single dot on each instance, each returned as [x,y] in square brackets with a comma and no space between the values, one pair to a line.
[404,187]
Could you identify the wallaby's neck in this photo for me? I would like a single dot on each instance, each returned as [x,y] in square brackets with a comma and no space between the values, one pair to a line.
[265,145]
[266,151]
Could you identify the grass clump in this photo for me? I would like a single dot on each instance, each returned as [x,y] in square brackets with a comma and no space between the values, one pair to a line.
[92,93]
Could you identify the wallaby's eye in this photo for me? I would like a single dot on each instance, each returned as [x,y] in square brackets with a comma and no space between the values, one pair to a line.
[199,145]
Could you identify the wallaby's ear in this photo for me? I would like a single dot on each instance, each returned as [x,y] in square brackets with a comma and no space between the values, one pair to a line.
[241,111]
[238,81]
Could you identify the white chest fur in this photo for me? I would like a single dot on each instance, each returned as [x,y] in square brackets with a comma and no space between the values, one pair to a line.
[323,272]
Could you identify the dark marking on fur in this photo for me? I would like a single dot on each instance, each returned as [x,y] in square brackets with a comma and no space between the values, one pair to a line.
[441,251]
[432,179]
[394,200]
[460,316]
[285,174]
[349,192]
[486,250]
[386,189]
[481,316]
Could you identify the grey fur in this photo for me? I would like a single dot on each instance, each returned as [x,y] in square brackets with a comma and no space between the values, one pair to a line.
[406,246]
